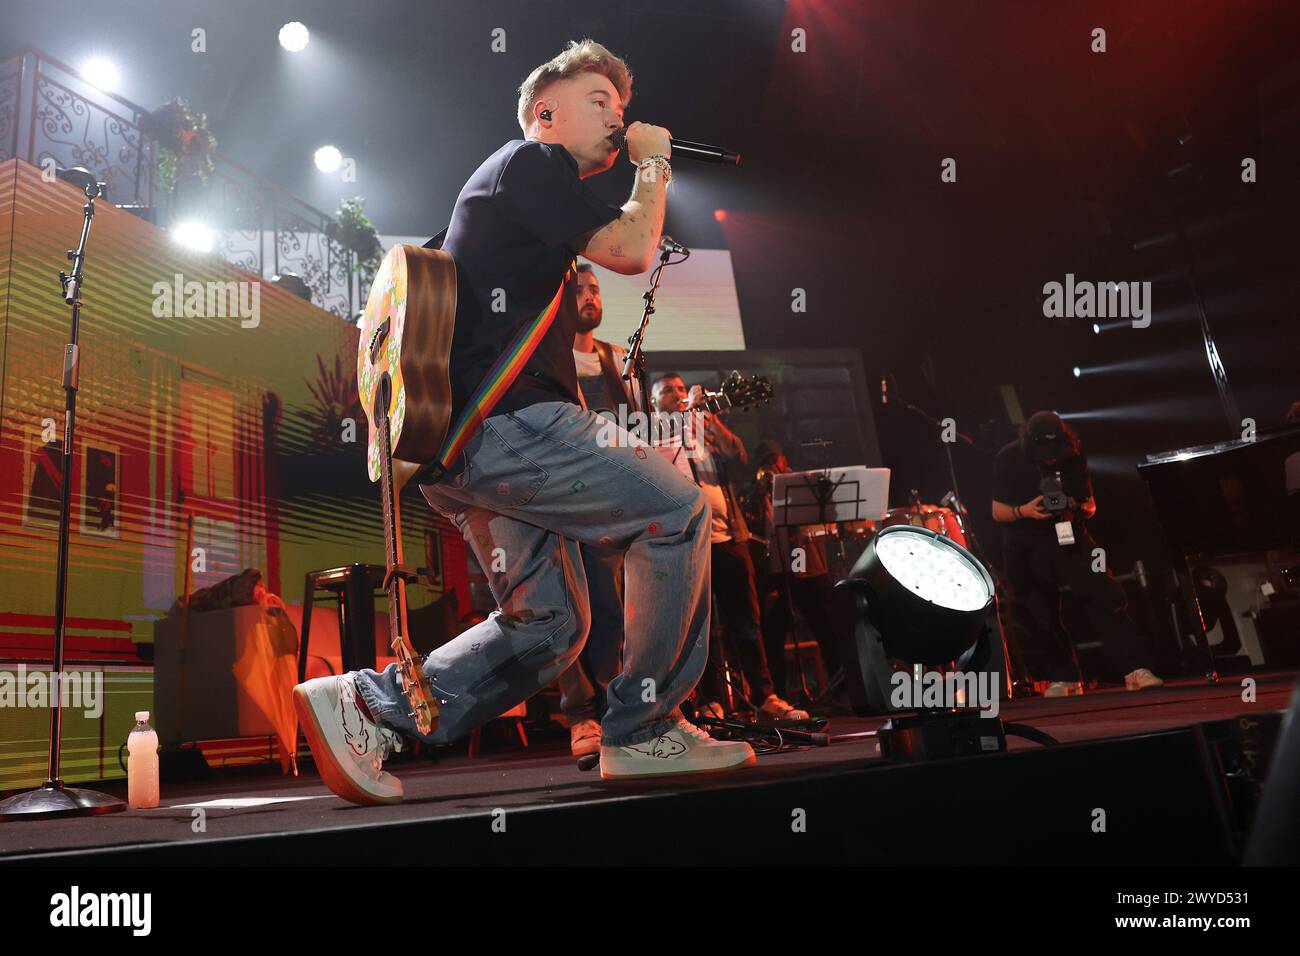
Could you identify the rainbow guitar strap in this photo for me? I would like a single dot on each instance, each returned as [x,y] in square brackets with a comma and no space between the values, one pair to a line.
[495,383]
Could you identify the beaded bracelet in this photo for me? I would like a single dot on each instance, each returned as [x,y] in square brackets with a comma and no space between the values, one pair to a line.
[660,162]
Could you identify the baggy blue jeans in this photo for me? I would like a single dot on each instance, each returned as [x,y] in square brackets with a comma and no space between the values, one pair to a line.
[582,685]
[531,487]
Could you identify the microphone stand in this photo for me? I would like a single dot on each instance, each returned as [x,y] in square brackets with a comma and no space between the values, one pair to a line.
[53,799]
[634,361]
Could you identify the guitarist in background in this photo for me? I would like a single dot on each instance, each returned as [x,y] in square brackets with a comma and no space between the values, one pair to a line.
[534,483]
[701,455]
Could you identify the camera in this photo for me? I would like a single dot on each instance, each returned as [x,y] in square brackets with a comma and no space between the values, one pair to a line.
[1054,498]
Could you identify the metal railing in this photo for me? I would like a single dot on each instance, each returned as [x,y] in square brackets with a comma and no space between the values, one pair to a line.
[51,114]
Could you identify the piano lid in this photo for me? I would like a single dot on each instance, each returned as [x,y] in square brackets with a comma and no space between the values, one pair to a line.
[1229,497]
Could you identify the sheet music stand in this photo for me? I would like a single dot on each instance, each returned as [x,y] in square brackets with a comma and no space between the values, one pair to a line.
[824,496]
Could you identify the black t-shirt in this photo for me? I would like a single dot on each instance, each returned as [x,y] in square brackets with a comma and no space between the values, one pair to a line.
[1017,481]
[510,231]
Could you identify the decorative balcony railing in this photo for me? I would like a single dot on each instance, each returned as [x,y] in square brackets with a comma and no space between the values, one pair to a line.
[50,113]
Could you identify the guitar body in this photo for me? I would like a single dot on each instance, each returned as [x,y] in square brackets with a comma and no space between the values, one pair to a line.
[412,304]
[403,377]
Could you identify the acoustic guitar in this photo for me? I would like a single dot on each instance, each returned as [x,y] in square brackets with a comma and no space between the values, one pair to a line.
[403,377]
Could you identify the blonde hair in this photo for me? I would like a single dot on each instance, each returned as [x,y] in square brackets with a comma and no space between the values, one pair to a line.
[585,56]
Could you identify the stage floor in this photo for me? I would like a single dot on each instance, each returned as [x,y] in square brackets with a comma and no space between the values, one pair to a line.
[253,808]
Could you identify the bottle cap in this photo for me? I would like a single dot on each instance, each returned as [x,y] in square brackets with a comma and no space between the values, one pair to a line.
[141,716]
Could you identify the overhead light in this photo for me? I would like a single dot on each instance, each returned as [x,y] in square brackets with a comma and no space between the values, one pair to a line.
[328,159]
[1096,329]
[101,73]
[294,36]
[193,235]
[1077,371]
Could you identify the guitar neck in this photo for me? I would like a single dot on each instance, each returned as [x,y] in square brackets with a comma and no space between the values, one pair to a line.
[392,524]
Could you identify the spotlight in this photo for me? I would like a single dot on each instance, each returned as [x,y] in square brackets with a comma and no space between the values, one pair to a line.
[720,215]
[101,73]
[1077,371]
[294,36]
[922,599]
[193,235]
[1096,329]
[328,159]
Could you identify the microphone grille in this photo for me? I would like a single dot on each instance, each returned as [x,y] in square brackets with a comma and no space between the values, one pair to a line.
[619,137]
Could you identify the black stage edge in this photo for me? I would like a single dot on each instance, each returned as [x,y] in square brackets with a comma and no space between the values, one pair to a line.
[1161,801]
[1169,796]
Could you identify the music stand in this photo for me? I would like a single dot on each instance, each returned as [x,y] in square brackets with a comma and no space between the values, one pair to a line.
[824,496]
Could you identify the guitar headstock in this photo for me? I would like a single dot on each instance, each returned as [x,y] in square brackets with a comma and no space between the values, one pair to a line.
[739,392]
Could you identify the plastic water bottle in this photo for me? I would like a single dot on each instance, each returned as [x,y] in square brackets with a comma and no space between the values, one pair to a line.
[142,764]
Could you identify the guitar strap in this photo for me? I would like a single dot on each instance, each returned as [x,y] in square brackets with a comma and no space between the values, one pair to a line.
[495,383]
[613,380]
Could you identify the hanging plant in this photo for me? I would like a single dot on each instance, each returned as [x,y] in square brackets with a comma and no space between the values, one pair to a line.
[185,145]
[351,229]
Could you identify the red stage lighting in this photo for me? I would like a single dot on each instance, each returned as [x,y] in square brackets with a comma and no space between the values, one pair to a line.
[720,215]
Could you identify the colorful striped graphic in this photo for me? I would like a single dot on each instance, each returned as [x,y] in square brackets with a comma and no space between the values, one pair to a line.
[498,379]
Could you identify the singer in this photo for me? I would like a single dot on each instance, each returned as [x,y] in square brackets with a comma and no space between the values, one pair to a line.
[534,485]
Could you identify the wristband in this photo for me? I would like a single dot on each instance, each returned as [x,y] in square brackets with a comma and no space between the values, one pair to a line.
[660,162]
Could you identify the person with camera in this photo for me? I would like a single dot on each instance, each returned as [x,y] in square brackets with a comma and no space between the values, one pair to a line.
[1047,544]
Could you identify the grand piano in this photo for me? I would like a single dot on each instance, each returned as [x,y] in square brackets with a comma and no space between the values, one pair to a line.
[1235,498]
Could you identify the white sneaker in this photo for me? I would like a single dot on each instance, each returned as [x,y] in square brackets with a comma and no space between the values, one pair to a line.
[1062,688]
[774,708]
[584,738]
[683,748]
[1141,679]
[349,748]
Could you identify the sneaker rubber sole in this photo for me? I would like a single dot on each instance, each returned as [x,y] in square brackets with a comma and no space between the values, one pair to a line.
[749,761]
[335,778]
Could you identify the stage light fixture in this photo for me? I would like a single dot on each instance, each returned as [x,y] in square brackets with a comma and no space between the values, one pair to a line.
[328,159]
[1096,329]
[193,235]
[294,36]
[101,73]
[919,599]
[720,215]
[1078,372]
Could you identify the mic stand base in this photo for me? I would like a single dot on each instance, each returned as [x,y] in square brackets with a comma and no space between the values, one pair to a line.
[53,800]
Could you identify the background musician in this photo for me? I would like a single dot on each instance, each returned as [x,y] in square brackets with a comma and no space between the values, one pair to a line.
[702,454]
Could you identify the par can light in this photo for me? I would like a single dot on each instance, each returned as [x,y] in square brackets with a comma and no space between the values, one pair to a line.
[920,598]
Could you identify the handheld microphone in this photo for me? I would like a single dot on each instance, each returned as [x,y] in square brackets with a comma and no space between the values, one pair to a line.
[668,244]
[686,150]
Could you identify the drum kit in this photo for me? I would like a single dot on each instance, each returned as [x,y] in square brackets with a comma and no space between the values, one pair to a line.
[845,540]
